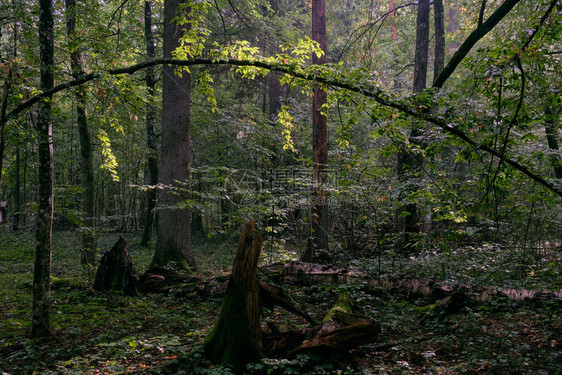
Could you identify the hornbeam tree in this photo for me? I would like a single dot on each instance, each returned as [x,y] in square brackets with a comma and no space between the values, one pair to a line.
[87,234]
[41,274]
[174,224]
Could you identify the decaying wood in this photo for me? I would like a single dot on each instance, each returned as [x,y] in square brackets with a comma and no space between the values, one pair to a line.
[311,273]
[161,280]
[115,271]
[340,331]
[236,337]
[271,296]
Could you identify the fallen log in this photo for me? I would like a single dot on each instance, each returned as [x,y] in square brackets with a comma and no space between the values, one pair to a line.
[311,273]
[161,280]
[340,331]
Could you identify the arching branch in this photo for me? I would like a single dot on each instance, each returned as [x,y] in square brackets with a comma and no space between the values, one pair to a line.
[328,77]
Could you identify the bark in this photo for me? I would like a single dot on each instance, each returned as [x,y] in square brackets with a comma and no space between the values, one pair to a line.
[87,234]
[422,46]
[236,337]
[174,224]
[151,141]
[42,270]
[115,271]
[439,20]
[472,39]
[319,238]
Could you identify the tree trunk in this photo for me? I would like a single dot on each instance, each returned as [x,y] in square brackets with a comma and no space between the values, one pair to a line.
[236,337]
[41,274]
[87,234]
[151,141]
[17,191]
[422,46]
[438,16]
[410,162]
[551,128]
[174,224]
[319,237]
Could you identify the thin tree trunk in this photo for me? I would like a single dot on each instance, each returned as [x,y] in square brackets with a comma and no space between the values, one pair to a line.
[87,235]
[409,162]
[174,224]
[17,191]
[151,141]
[438,16]
[319,237]
[41,275]
[552,139]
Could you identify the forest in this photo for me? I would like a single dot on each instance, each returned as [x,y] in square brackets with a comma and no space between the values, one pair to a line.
[280,187]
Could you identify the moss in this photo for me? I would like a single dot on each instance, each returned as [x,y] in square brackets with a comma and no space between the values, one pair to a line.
[58,283]
[231,342]
[343,304]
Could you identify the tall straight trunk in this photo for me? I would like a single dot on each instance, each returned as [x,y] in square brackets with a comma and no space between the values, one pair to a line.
[17,191]
[408,162]
[438,17]
[174,225]
[87,235]
[319,237]
[40,326]
[151,141]
[422,46]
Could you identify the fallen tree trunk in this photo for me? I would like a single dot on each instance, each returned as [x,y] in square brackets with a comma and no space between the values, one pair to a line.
[340,331]
[311,273]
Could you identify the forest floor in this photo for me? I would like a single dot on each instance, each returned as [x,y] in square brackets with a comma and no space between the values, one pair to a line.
[107,333]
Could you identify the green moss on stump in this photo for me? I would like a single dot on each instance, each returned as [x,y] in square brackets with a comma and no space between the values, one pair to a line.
[231,342]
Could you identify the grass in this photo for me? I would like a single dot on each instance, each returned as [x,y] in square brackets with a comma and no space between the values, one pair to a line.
[107,333]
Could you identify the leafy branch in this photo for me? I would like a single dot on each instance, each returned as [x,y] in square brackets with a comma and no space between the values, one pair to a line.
[328,75]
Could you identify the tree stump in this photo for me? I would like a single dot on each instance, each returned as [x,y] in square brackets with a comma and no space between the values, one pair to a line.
[115,271]
[236,337]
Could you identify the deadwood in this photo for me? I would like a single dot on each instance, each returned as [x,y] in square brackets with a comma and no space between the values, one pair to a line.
[115,271]
[236,337]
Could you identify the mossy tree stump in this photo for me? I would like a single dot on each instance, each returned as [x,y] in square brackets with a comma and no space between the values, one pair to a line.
[236,337]
[115,271]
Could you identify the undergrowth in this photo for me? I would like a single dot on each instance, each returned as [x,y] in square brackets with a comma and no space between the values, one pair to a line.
[107,333]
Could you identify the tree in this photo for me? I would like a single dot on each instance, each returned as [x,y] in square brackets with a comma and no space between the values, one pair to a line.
[41,274]
[319,237]
[438,16]
[151,141]
[87,234]
[174,225]
[410,161]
